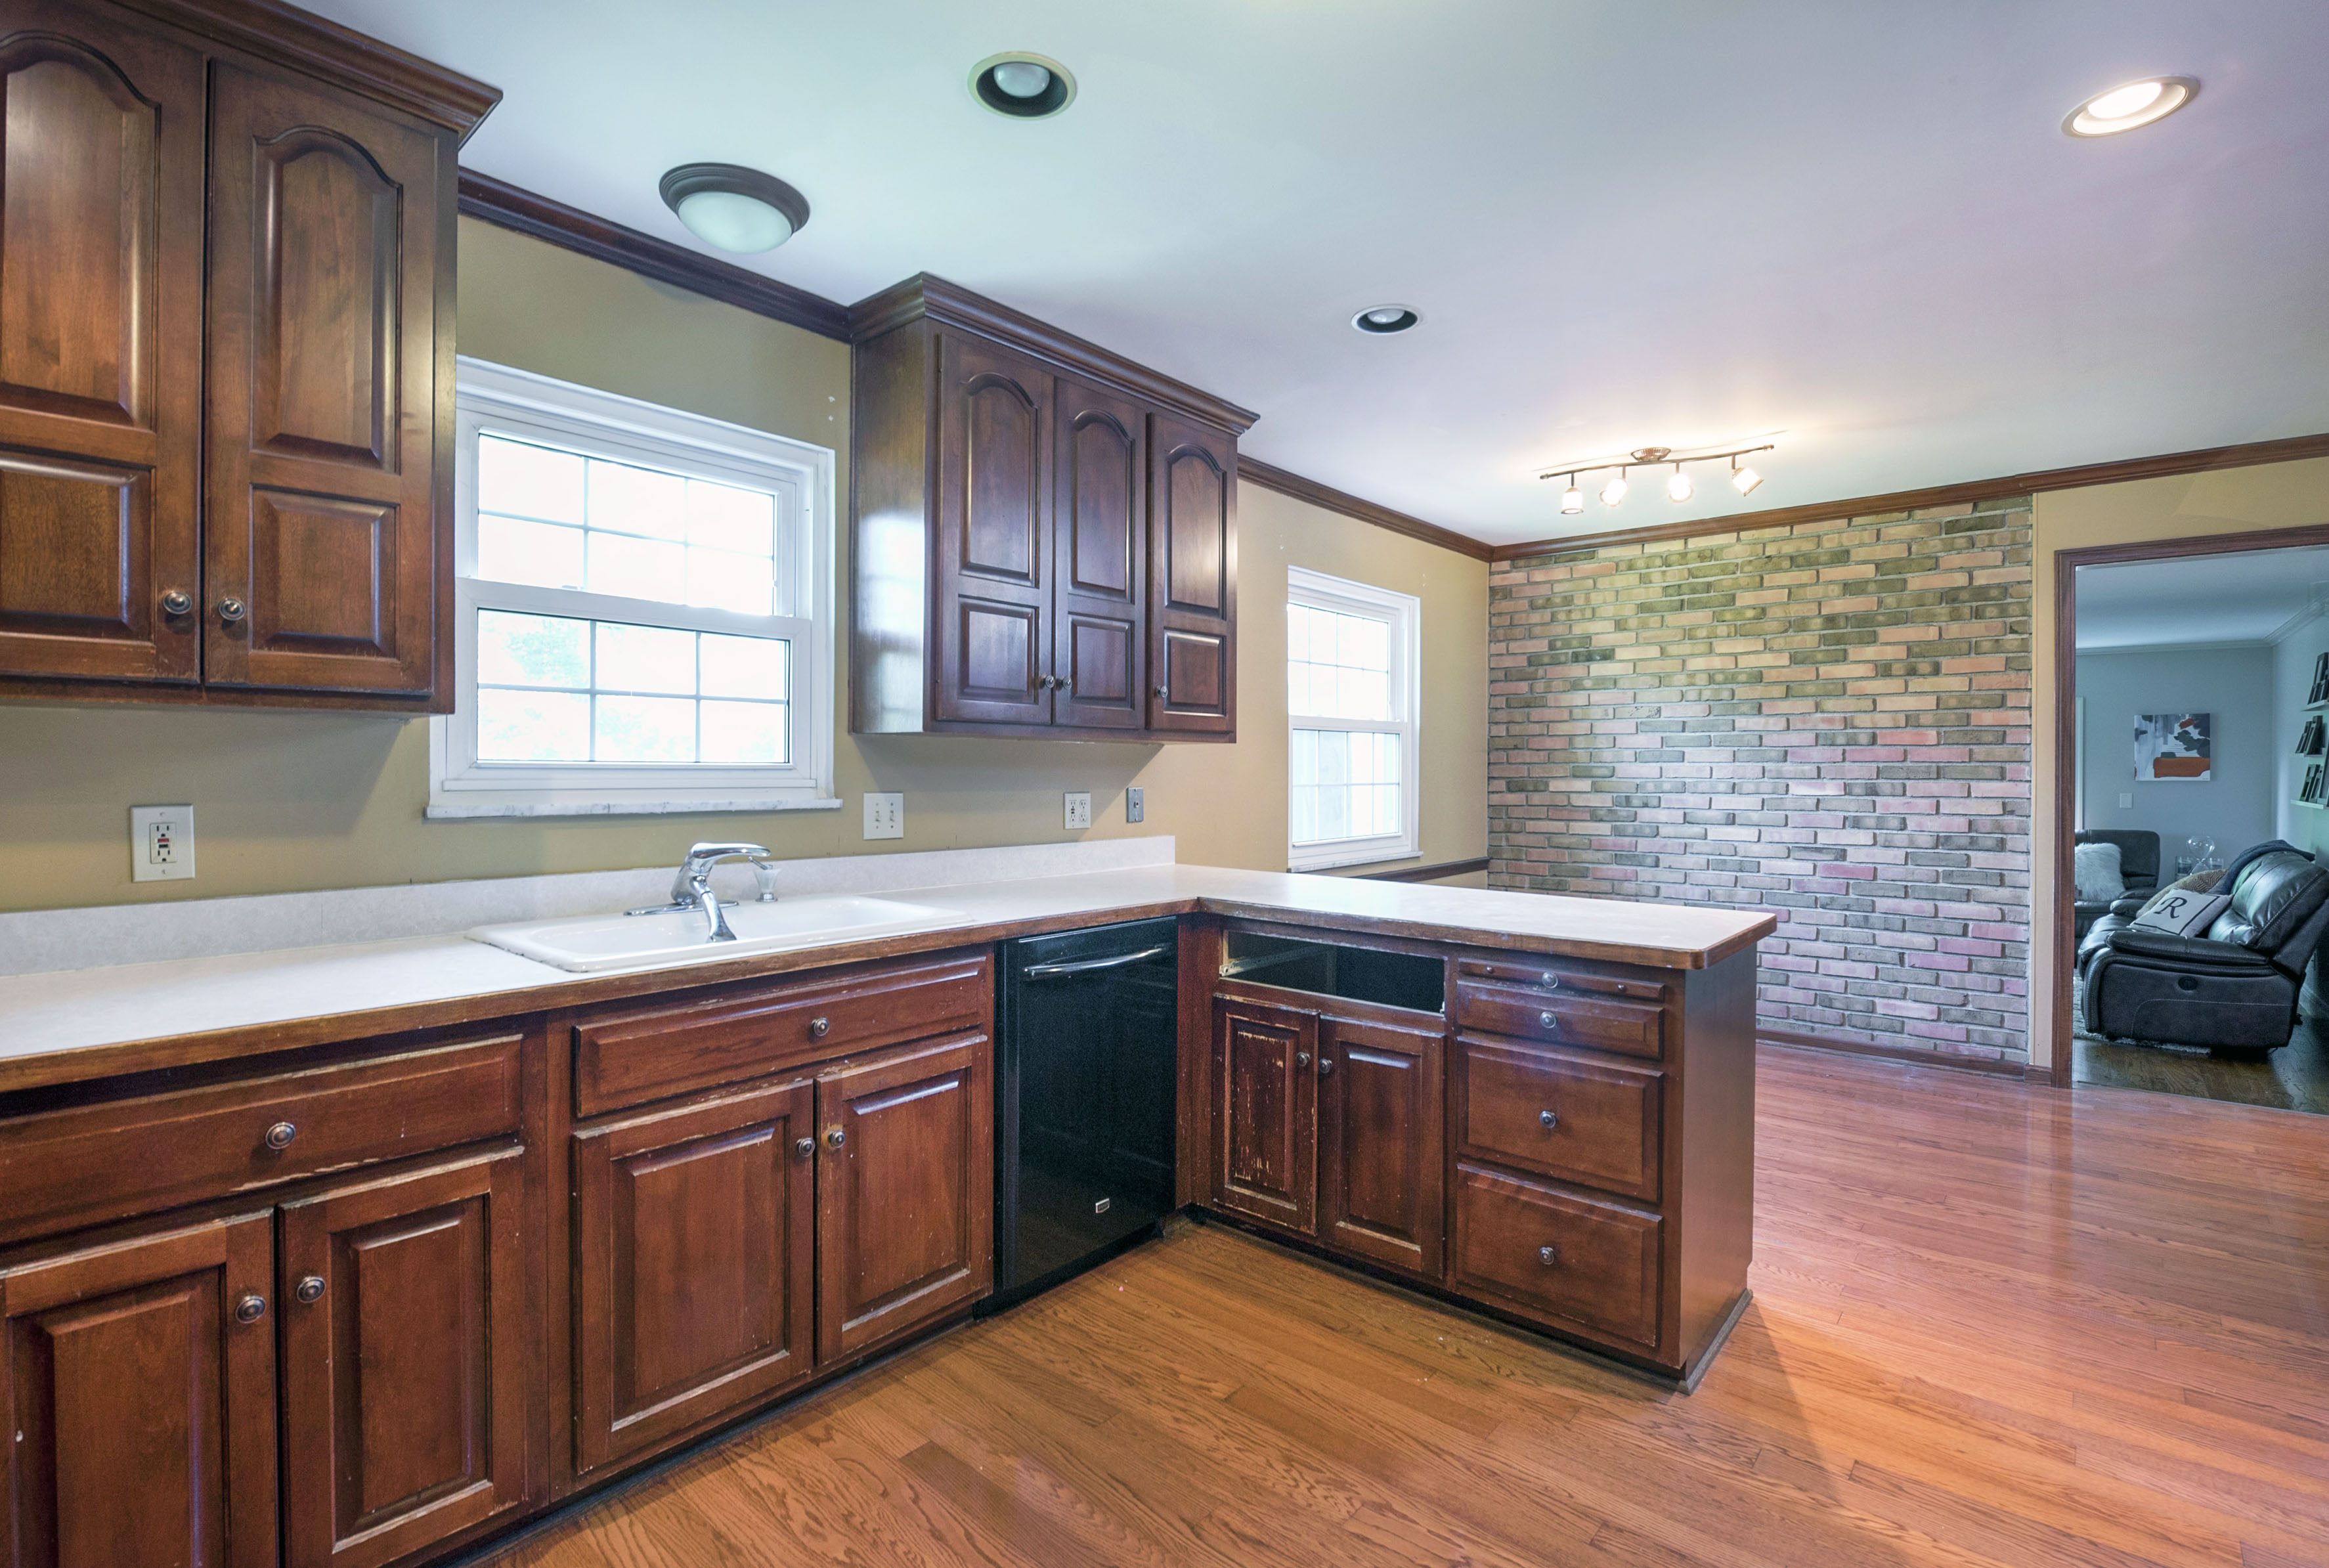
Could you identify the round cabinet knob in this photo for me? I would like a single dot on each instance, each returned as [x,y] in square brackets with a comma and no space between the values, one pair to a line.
[1548,1256]
[279,1136]
[309,1289]
[177,602]
[1302,1059]
[804,1147]
[1550,982]
[1547,1021]
[1325,1064]
[835,1137]
[1547,1119]
[819,1027]
[1062,683]
[231,609]
[1163,690]
[250,1308]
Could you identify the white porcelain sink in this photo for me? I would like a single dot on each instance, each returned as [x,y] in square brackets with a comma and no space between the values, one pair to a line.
[589,943]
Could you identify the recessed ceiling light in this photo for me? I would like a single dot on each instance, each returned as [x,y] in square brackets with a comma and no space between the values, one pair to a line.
[1023,86]
[1380,319]
[734,209]
[2138,103]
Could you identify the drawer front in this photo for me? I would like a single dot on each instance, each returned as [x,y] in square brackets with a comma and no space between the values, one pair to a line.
[626,1059]
[1562,1017]
[1572,1261]
[76,1166]
[1559,1114]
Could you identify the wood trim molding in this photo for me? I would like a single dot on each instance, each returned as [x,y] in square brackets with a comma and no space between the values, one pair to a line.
[300,39]
[1270,478]
[1445,869]
[1915,1055]
[925,295]
[2164,465]
[499,202]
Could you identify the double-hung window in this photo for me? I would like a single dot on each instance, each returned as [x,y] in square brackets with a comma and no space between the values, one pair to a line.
[644,610]
[1353,658]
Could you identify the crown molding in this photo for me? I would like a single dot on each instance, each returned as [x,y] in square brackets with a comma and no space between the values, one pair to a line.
[1253,471]
[2164,465]
[507,206]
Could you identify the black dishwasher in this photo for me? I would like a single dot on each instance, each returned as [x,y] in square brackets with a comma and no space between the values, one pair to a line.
[1084,1108]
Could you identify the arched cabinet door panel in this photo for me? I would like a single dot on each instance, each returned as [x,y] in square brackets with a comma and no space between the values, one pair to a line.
[328,539]
[991,601]
[1192,579]
[100,345]
[1099,559]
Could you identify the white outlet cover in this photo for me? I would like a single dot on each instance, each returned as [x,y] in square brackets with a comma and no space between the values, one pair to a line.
[161,842]
[885,816]
[1079,809]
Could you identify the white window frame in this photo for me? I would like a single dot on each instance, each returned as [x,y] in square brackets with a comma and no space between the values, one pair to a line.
[1405,613]
[497,400]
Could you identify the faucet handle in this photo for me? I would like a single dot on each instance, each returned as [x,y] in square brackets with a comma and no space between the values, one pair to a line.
[764,873]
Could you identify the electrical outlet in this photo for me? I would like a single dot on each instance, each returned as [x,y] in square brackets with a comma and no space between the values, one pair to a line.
[1079,809]
[161,842]
[1135,803]
[885,816]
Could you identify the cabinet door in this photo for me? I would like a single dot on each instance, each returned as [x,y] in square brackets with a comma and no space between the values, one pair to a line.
[1099,558]
[1266,1119]
[694,1242]
[1381,1144]
[905,1197]
[404,1362]
[989,595]
[328,533]
[139,1383]
[1192,579]
[100,344]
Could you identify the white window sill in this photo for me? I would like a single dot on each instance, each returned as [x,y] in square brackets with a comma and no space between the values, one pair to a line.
[465,810]
[1330,860]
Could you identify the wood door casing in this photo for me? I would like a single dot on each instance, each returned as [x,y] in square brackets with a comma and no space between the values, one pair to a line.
[100,344]
[1381,1143]
[905,1197]
[990,592]
[1266,1114]
[1100,569]
[1193,578]
[321,516]
[141,1406]
[404,1377]
[694,1252]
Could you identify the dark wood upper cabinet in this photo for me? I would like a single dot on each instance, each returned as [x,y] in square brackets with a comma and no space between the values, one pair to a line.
[1012,486]
[226,358]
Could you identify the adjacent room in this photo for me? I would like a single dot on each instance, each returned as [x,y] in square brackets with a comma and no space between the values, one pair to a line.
[1037,784]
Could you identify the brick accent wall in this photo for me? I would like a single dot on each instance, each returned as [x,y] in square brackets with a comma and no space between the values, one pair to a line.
[1829,720]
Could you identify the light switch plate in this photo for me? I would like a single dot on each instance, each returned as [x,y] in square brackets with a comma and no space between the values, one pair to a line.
[1079,809]
[885,816]
[161,842]
[2125,801]
[1135,803]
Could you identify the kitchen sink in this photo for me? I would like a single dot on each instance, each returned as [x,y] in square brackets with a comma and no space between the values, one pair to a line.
[589,943]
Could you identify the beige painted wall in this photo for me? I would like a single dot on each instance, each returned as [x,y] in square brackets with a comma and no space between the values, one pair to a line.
[2193,505]
[294,800]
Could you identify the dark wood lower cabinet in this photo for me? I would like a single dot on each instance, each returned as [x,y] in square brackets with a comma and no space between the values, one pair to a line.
[405,1345]
[1266,1114]
[1379,1179]
[138,1388]
[695,1253]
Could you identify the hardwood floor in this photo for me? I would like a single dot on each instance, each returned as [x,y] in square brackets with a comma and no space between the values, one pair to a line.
[1994,1323]
[2294,1078]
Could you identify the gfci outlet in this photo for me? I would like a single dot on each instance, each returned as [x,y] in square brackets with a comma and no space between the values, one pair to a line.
[1135,803]
[885,817]
[161,842]
[1079,809]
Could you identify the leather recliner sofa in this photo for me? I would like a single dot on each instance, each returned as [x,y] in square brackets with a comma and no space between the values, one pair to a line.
[2235,987]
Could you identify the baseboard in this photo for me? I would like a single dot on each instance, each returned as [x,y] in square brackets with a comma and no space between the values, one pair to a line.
[1919,1055]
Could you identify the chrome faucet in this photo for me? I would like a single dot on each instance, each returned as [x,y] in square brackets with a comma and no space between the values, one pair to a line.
[692,887]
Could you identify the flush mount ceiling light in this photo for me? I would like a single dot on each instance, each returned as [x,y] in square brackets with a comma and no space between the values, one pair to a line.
[2137,103]
[1679,486]
[734,209]
[1383,319]
[1023,86]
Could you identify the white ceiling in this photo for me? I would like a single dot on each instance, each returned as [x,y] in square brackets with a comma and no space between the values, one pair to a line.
[1625,224]
[2244,597]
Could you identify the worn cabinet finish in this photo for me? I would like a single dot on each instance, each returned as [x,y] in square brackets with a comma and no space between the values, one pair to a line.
[139,1387]
[404,1353]
[1099,559]
[1379,1145]
[101,368]
[695,1249]
[1266,1114]
[1192,579]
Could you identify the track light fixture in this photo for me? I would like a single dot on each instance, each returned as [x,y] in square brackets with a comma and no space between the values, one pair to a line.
[1573,500]
[1679,486]
[1615,490]
[1743,480]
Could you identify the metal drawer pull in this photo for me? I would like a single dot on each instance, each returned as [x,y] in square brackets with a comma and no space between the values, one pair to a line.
[804,1147]
[835,1137]
[1552,982]
[178,602]
[1092,966]
[1548,1256]
[250,1310]
[231,609]
[279,1136]
[1548,1021]
[309,1289]
[819,1026]
[1549,1120]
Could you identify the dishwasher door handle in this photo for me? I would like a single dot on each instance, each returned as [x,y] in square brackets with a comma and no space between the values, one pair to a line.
[1089,965]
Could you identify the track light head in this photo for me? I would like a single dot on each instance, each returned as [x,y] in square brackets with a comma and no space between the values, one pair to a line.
[1679,487]
[1615,490]
[1743,479]
[1573,500]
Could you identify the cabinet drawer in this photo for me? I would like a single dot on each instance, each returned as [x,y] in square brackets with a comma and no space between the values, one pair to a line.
[1559,1114]
[1565,1016]
[626,1059]
[76,1166]
[1553,1255]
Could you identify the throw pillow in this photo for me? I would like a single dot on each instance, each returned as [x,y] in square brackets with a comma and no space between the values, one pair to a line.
[2096,869]
[2182,914]
[2198,882]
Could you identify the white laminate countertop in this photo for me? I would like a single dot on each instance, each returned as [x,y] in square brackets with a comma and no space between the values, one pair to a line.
[76,1023]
